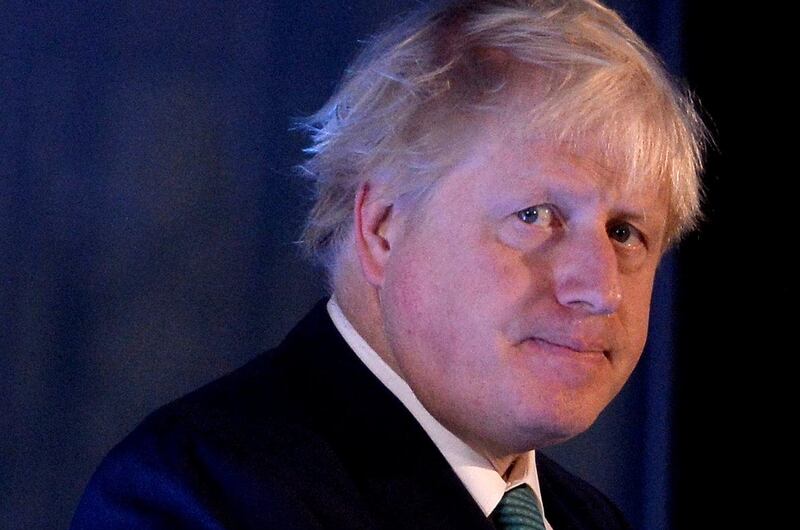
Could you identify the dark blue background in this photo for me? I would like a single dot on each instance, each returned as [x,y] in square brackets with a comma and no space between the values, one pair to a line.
[147,217]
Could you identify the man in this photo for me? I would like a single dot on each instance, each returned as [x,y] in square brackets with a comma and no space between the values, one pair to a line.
[496,183]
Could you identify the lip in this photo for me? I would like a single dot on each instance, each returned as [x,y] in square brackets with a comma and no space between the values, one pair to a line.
[582,349]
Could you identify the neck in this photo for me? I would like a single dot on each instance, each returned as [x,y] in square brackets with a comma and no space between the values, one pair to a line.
[360,303]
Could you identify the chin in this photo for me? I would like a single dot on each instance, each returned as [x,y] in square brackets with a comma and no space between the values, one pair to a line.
[556,425]
[563,431]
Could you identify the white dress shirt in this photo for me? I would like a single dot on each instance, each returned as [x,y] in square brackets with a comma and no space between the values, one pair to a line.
[476,472]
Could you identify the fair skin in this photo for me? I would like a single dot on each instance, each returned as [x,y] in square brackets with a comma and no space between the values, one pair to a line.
[514,300]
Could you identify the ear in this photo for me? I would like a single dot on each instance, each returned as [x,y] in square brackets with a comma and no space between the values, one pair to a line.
[373,216]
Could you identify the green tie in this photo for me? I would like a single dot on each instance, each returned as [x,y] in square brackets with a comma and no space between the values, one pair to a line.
[518,510]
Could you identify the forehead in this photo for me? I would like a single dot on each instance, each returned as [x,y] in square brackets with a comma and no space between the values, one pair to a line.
[618,140]
[505,154]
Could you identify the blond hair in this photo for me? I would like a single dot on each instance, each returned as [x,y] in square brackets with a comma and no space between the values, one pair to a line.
[394,115]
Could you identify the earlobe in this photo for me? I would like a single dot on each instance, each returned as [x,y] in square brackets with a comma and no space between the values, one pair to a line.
[372,217]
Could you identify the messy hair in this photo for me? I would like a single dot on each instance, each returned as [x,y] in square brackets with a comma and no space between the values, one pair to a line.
[417,83]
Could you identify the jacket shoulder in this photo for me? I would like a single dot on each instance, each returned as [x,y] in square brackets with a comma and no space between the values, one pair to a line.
[230,454]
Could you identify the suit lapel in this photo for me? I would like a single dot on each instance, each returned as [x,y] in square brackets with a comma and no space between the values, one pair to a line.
[401,474]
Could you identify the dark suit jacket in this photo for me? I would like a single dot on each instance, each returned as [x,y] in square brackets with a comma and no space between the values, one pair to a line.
[302,437]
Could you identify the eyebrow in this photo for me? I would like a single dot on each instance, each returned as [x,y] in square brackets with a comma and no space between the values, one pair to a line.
[641,217]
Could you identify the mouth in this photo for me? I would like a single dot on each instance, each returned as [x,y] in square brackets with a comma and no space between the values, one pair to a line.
[568,347]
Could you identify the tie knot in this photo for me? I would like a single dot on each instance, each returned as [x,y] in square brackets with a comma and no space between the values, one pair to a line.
[518,510]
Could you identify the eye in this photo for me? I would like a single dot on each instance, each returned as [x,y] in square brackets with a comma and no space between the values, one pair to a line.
[626,234]
[541,214]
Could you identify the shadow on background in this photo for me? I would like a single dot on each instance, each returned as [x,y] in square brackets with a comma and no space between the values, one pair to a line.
[147,217]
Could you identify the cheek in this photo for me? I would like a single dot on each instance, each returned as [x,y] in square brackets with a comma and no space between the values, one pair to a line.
[417,299]
[495,273]
[443,298]
[635,314]
[473,290]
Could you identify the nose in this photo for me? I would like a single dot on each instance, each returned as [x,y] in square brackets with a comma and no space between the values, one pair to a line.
[587,275]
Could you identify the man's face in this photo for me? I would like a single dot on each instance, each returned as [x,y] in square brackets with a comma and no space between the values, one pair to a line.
[515,299]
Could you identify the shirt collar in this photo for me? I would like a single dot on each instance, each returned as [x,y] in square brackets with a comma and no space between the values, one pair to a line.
[475,471]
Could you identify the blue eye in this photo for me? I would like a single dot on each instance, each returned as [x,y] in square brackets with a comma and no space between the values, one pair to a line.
[540,214]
